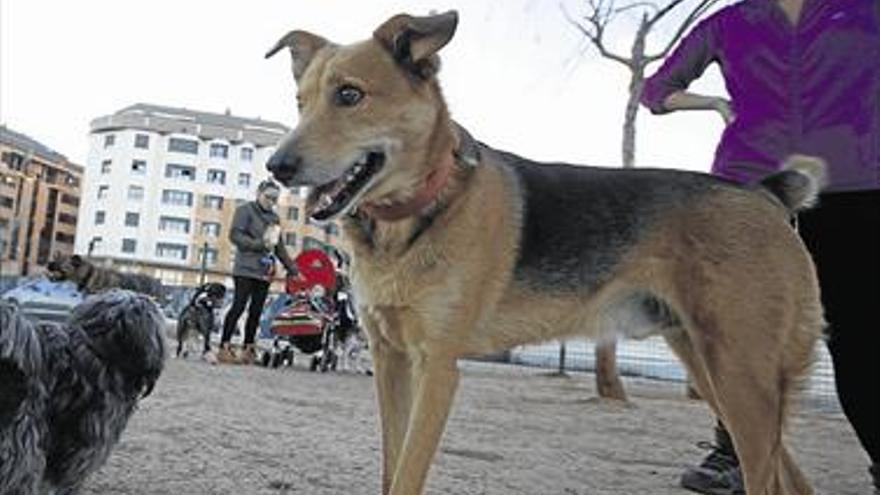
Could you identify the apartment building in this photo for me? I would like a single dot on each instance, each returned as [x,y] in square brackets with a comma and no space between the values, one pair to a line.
[39,203]
[161,186]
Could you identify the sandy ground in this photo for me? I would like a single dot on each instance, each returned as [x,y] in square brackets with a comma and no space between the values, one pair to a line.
[249,430]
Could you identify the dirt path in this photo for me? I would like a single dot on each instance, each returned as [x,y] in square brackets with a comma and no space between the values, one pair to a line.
[514,431]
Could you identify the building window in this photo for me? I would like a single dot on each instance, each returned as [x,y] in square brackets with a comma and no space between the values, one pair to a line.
[216,176]
[209,256]
[138,167]
[141,141]
[132,219]
[211,229]
[175,171]
[293,213]
[219,150]
[102,191]
[179,145]
[13,160]
[64,238]
[135,193]
[247,154]
[171,251]
[67,218]
[7,202]
[129,245]
[174,224]
[178,198]
[212,202]
[95,244]
[105,166]
[244,180]
[69,199]
[109,140]
[100,216]
[290,239]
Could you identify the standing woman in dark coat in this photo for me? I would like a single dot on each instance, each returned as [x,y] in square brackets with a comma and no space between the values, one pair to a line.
[256,234]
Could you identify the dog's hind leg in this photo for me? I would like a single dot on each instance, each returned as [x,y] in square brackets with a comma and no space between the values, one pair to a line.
[181,333]
[740,368]
[206,326]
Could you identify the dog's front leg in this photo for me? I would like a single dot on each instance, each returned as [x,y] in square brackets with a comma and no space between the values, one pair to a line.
[434,382]
[392,373]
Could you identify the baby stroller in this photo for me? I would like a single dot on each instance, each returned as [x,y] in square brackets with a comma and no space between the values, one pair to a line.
[303,317]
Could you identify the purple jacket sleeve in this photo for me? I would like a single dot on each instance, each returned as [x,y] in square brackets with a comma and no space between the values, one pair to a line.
[686,63]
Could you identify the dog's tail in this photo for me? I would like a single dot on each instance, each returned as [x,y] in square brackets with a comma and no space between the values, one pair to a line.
[798,184]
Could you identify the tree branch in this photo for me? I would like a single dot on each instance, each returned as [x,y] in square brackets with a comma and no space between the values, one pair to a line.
[598,22]
[695,14]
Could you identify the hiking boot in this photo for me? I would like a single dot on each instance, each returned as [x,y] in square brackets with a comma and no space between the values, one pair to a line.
[248,354]
[225,355]
[719,473]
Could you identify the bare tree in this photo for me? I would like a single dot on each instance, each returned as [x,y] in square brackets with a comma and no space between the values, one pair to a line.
[593,24]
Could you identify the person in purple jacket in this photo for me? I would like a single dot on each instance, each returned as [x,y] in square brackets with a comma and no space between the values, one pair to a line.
[803,77]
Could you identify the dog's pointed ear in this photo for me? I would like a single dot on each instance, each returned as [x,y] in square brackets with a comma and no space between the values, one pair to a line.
[303,47]
[415,41]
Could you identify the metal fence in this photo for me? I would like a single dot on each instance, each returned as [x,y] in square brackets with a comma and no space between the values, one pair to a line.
[652,358]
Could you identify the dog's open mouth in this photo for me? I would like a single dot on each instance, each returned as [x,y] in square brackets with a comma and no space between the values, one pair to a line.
[328,200]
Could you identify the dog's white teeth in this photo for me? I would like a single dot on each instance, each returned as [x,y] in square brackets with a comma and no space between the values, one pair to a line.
[325,201]
[350,177]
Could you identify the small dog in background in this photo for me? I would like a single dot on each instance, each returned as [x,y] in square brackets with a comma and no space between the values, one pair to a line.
[68,391]
[197,318]
[92,279]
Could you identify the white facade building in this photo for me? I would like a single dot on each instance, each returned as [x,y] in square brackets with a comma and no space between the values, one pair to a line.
[161,183]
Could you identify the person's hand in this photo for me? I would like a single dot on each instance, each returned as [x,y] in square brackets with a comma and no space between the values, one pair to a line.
[722,106]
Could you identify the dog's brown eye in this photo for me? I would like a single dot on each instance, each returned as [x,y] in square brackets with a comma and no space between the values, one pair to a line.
[348,96]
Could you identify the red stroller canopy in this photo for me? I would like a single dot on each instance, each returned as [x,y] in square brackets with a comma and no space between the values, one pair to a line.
[315,268]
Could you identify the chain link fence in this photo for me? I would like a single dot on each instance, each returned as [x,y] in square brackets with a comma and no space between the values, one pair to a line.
[652,358]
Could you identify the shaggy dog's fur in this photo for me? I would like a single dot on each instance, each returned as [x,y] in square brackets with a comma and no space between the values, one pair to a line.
[67,391]
[92,279]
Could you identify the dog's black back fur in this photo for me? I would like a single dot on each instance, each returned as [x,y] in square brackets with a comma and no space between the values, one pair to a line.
[581,220]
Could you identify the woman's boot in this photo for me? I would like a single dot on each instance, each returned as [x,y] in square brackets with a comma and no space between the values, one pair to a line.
[248,354]
[226,355]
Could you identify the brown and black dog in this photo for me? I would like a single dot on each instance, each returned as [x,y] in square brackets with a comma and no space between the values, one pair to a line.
[460,249]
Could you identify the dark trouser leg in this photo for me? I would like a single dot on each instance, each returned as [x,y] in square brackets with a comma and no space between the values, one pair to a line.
[259,290]
[843,235]
[239,301]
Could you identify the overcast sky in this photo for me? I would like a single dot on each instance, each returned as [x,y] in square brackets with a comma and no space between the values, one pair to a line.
[517,74]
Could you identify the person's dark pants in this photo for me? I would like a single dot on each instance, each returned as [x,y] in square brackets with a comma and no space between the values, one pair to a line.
[843,236]
[246,289]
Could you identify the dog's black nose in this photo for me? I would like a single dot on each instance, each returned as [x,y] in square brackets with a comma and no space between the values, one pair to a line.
[283,164]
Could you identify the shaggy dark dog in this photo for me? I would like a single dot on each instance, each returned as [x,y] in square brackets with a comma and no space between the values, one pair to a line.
[197,318]
[92,279]
[67,391]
